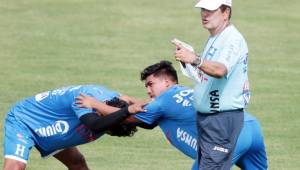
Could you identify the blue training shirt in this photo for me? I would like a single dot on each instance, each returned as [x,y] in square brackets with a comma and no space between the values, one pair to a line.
[53,117]
[175,114]
[232,91]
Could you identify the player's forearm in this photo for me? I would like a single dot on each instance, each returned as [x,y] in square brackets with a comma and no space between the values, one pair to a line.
[98,123]
[103,108]
[213,68]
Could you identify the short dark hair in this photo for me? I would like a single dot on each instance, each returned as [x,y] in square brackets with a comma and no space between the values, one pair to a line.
[164,67]
[117,102]
[224,7]
[121,129]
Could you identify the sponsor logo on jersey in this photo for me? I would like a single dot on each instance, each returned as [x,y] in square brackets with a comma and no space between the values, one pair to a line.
[187,138]
[214,98]
[60,127]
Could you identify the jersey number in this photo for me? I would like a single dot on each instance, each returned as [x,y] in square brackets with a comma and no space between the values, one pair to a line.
[181,97]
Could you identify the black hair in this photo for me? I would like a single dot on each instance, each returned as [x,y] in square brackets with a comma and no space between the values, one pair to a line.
[121,129]
[164,67]
[117,102]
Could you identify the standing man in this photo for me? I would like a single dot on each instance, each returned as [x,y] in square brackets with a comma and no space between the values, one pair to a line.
[223,90]
[53,123]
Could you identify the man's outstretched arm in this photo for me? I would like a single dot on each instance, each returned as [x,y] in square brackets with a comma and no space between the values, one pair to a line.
[98,123]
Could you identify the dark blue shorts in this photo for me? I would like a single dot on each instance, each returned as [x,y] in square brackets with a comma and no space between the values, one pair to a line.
[218,134]
[249,153]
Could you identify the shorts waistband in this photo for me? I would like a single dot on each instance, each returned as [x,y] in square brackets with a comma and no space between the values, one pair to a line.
[225,111]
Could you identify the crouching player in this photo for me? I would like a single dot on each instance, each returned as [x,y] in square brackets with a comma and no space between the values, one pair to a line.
[53,123]
[172,110]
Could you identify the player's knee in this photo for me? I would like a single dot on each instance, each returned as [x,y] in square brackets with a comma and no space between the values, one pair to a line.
[13,165]
[78,163]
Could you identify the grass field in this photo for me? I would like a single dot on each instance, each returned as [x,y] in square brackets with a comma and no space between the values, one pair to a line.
[52,43]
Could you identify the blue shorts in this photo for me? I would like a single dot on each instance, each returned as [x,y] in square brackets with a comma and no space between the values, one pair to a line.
[250,150]
[18,140]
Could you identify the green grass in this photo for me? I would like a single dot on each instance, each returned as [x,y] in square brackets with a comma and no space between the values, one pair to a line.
[51,43]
